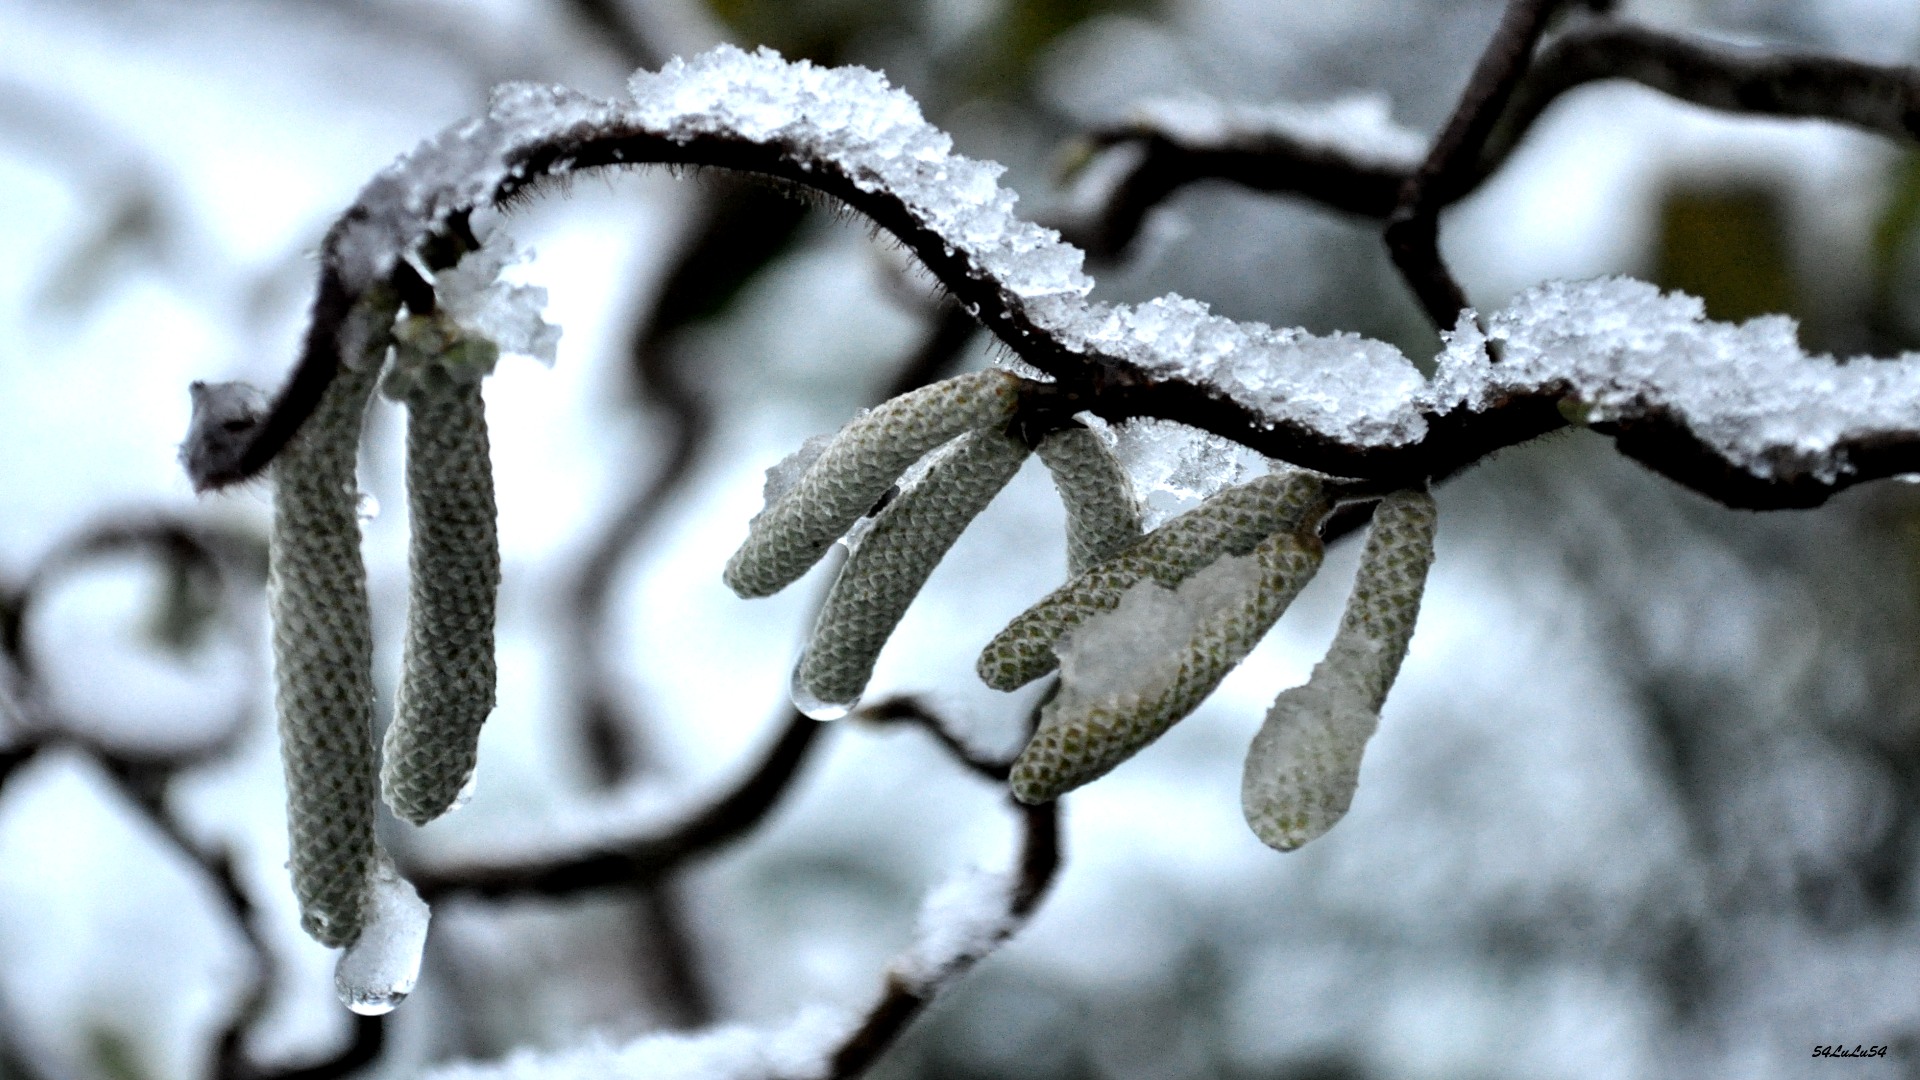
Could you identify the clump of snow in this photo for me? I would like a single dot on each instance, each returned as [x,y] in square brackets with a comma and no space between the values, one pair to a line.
[798,1050]
[477,317]
[472,294]
[876,135]
[1356,390]
[1139,646]
[453,172]
[379,969]
[1621,349]
[1174,467]
[1359,128]
[785,473]
[960,921]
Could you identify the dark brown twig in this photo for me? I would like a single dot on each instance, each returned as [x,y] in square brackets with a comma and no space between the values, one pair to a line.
[1745,80]
[1725,78]
[904,997]
[1413,232]
[627,861]
[1110,385]
[905,708]
[1271,163]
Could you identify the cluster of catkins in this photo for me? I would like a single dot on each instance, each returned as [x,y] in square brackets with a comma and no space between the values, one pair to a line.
[323,648]
[1219,576]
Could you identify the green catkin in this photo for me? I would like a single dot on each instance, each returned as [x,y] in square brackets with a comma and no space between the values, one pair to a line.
[453,559]
[892,562]
[856,469]
[1304,763]
[1085,731]
[1103,517]
[1230,523]
[323,656]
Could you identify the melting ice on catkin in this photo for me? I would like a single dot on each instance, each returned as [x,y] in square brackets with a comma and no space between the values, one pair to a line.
[1305,762]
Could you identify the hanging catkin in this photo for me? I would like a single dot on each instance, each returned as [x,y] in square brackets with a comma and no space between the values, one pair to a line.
[855,470]
[1103,517]
[1304,763]
[1230,523]
[892,562]
[323,656]
[453,561]
[1086,731]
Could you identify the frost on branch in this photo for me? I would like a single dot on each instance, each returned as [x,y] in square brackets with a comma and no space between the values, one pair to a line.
[1623,350]
[961,921]
[1339,402]
[1359,129]
[797,1050]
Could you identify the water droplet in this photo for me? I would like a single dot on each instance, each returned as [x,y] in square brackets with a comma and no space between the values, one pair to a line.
[811,706]
[378,970]
[465,794]
[366,507]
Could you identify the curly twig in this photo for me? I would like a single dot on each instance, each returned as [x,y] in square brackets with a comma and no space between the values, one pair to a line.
[909,989]
[1342,176]
[1727,78]
[1413,230]
[905,708]
[638,859]
[1338,405]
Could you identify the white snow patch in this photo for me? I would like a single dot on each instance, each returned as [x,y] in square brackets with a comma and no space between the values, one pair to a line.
[795,1051]
[1136,648]
[1174,467]
[960,922]
[472,294]
[1622,349]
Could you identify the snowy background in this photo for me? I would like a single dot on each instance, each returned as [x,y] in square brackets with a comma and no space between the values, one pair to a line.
[1645,801]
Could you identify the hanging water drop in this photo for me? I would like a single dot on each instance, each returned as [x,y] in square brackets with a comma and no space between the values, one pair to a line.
[379,969]
[465,794]
[811,705]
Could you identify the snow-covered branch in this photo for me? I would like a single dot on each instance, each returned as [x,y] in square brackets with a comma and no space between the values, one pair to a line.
[960,923]
[1360,167]
[1648,370]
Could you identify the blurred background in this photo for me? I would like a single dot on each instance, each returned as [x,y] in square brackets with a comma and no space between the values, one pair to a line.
[1645,802]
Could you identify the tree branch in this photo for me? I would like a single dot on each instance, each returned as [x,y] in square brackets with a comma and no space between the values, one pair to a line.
[626,861]
[1342,405]
[1342,176]
[913,982]
[905,708]
[1413,231]
[1726,78]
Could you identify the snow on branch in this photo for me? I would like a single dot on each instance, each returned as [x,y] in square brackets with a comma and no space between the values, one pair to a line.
[1280,148]
[1738,412]
[961,922]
